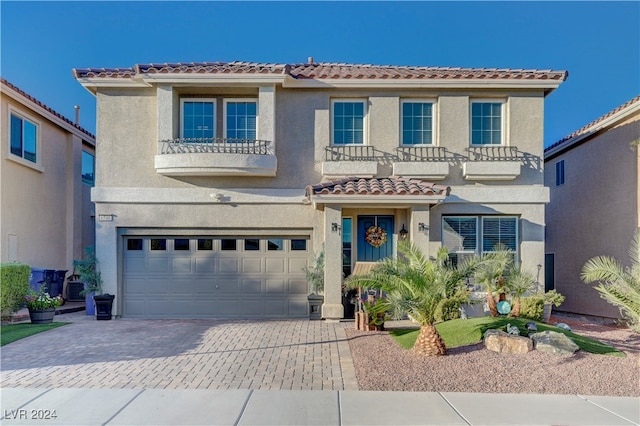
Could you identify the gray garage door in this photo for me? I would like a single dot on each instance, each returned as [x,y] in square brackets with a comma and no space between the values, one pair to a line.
[209,277]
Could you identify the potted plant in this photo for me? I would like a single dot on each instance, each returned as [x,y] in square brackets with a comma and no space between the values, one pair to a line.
[551,298]
[87,270]
[41,306]
[315,276]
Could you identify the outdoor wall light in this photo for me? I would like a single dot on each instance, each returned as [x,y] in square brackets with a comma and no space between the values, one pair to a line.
[422,227]
[335,227]
[404,234]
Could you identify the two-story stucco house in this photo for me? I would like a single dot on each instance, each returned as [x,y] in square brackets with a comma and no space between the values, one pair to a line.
[594,179]
[46,175]
[218,182]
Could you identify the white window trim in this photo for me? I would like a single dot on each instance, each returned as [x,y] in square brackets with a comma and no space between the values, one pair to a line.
[365,121]
[503,119]
[38,165]
[434,111]
[224,117]
[215,112]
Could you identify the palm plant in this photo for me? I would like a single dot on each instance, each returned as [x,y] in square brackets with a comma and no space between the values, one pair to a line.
[519,281]
[491,270]
[618,285]
[414,285]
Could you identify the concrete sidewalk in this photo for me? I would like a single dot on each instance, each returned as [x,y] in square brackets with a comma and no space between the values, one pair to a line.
[76,406]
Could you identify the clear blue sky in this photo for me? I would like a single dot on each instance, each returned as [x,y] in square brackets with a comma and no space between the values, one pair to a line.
[597,42]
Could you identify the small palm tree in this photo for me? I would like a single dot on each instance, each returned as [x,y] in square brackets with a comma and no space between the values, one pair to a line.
[519,281]
[618,285]
[414,285]
[491,270]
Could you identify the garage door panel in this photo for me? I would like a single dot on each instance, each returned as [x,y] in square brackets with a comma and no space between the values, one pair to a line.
[229,265]
[275,286]
[298,308]
[158,264]
[204,265]
[217,280]
[275,266]
[251,308]
[252,286]
[251,265]
[203,286]
[276,308]
[182,265]
[135,264]
[296,265]
[298,286]
[227,285]
[225,307]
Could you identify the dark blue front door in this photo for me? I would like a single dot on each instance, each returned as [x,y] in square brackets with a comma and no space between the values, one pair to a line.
[368,252]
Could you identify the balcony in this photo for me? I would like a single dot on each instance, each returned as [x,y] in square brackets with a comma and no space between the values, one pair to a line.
[492,163]
[424,162]
[350,160]
[216,157]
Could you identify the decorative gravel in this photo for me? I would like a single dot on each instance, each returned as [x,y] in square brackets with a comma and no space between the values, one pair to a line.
[381,364]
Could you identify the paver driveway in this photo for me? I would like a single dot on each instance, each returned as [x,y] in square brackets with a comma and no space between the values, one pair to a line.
[182,354]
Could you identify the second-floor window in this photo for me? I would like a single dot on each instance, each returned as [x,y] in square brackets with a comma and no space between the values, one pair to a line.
[198,118]
[560,173]
[347,122]
[241,117]
[24,138]
[486,123]
[88,168]
[417,123]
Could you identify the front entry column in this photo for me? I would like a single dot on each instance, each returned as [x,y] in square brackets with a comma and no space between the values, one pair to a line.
[420,228]
[332,307]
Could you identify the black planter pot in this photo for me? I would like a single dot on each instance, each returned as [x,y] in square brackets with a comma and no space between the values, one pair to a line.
[104,304]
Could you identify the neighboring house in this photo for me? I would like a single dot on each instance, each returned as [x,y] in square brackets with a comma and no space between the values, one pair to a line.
[595,185]
[46,175]
[218,182]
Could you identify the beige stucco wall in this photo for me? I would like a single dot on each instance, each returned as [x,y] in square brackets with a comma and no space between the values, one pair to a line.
[45,208]
[130,189]
[594,213]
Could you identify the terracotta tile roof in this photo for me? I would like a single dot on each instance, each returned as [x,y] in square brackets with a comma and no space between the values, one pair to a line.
[40,104]
[392,185]
[585,129]
[323,70]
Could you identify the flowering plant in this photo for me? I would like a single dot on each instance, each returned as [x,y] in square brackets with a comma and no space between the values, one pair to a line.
[40,300]
[376,236]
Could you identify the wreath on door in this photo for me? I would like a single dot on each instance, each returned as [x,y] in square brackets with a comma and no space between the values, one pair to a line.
[376,236]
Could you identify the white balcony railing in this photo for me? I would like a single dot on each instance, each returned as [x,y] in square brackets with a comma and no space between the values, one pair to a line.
[216,157]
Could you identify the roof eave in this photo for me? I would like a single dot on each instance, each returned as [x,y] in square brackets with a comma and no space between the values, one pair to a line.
[611,121]
[547,85]
[377,200]
[214,78]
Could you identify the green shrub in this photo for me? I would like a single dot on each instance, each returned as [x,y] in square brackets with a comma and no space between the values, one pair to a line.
[14,280]
[532,307]
[448,309]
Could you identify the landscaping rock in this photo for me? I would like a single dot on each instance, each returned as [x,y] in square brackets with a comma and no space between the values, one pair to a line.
[554,343]
[499,341]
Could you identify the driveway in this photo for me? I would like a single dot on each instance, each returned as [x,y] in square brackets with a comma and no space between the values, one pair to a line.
[182,354]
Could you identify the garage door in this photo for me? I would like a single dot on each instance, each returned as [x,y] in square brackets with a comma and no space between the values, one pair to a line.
[209,277]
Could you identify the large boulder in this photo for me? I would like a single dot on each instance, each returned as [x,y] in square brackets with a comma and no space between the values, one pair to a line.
[554,343]
[499,341]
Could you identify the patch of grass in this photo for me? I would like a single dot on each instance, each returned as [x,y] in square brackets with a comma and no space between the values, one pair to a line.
[460,332]
[12,332]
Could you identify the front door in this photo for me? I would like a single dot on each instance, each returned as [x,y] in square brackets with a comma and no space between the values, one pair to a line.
[375,238]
